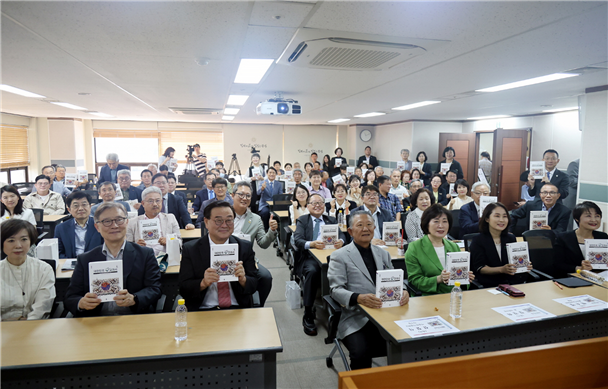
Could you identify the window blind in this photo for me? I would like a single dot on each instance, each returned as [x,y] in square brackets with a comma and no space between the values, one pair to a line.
[14,146]
[212,143]
[124,134]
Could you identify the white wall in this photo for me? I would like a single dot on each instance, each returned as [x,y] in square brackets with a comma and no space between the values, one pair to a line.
[14,120]
[426,137]
[390,139]
[301,141]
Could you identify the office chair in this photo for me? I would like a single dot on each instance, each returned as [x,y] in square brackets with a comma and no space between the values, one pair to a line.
[468,238]
[399,263]
[455,230]
[94,196]
[335,312]
[281,202]
[540,248]
[39,216]
[24,188]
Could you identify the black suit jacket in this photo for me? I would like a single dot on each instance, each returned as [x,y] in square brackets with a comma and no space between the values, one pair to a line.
[196,259]
[468,219]
[373,161]
[141,277]
[483,253]
[177,208]
[66,238]
[428,173]
[455,167]
[568,254]
[105,175]
[558,217]
[303,234]
[135,193]
[443,199]
[559,179]
[182,196]
[200,197]
[334,171]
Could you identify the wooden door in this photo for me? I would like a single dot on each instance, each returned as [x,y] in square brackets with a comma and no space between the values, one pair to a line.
[464,145]
[510,151]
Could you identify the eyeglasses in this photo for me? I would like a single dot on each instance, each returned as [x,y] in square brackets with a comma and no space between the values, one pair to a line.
[154,201]
[371,195]
[552,159]
[245,196]
[124,178]
[548,193]
[76,206]
[317,204]
[219,222]
[219,187]
[482,193]
[109,222]
[159,183]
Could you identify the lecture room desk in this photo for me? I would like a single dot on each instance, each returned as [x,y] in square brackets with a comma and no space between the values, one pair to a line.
[484,330]
[231,348]
[51,221]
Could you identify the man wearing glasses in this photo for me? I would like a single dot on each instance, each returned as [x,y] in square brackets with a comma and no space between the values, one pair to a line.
[141,275]
[371,196]
[171,204]
[306,237]
[51,202]
[220,187]
[469,213]
[198,281]
[552,176]
[79,235]
[559,214]
[130,194]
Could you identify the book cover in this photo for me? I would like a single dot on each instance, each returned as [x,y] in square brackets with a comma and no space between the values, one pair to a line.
[415,165]
[401,165]
[329,235]
[445,167]
[224,258]
[71,180]
[119,195]
[453,192]
[363,171]
[458,265]
[290,186]
[338,162]
[211,161]
[518,256]
[390,233]
[482,176]
[83,175]
[538,219]
[289,175]
[149,230]
[350,171]
[389,287]
[485,200]
[596,252]
[537,169]
[337,179]
[105,279]
[256,173]
[173,163]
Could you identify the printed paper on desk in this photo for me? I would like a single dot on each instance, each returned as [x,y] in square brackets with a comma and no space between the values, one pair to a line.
[537,169]
[519,256]
[415,165]
[523,312]
[224,258]
[596,252]
[71,180]
[538,219]
[445,167]
[350,171]
[329,235]
[457,264]
[400,165]
[105,279]
[485,200]
[390,233]
[149,230]
[426,326]
[389,287]
[584,303]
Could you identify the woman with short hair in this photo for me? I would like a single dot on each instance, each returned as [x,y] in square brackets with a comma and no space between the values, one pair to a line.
[166,158]
[420,201]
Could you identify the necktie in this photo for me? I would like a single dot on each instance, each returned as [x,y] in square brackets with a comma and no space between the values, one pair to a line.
[271,185]
[315,230]
[163,208]
[211,194]
[223,295]
[549,175]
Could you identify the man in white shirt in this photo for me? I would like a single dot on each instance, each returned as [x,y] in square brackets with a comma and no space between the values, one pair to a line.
[51,202]
[396,188]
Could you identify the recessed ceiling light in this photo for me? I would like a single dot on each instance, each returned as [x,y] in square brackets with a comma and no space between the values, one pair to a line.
[251,71]
[237,99]
[100,114]
[227,117]
[17,91]
[531,81]
[489,117]
[231,111]
[561,109]
[369,115]
[68,105]
[415,105]
[338,120]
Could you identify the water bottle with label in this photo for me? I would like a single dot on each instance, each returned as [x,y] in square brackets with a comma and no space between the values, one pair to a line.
[181,320]
[456,301]
[190,209]
[340,219]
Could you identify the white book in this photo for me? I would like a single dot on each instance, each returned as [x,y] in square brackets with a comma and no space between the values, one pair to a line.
[537,169]
[390,233]
[338,162]
[453,191]
[329,235]
[290,186]
[538,219]
[83,175]
[224,258]
[596,252]
[289,175]
[149,230]
[350,171]
[445,167]
[119,195]
[173,162]
[415,165]
[401,165]
[256,172]
[337,179]
[211,161]
[389,287]
[71,180]
[458,265]
[519,256]
[363,171]
[105,279]
[482,176]
[485,200]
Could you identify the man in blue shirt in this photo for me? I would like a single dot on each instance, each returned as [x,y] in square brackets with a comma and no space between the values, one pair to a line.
[56,186]
[387,200]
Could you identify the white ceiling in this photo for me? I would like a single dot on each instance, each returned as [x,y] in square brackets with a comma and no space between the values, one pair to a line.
[136,59]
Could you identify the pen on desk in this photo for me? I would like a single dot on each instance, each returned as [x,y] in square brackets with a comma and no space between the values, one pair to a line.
[503,292]
[558,285]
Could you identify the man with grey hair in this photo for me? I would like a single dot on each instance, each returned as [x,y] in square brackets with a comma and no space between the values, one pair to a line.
[379,171]
[152,167]
[110,171]
[415,186]
[352,282]
[405,157]
[297,176]
[130,194]
[140,270]
[470,213]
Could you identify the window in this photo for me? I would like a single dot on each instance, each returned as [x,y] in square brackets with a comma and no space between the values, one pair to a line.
[135,149]
[14,150]
[212,145]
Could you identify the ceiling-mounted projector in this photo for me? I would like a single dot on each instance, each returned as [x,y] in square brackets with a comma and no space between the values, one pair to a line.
[279,106]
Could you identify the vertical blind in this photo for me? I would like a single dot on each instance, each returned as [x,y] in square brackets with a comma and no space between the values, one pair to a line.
[212,143]
[14,149]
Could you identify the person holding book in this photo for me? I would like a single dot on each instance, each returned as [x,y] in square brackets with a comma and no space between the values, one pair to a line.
[141,275]
[387,200]
[425,258]
[337,162]
[570,246]
[462,188]
[339,203]
[424,170]
[316,177]
[171,204]
[50,202]
[12,206]
[449,154]
[468,217]
[558,214]
[79,235]
[354,190]
[371,195]
[220,193]
[450,180]
[552,176]
[107,193]
[421,200]
[27,290]
[352,275]
[255,174]
[308,236]
[205,193]
[405,159]
[266,192]
[438,192]
[489,257]
[168,160]
[130,194]
[299,203]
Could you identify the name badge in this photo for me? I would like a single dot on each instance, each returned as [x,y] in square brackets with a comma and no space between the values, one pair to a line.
[246,237]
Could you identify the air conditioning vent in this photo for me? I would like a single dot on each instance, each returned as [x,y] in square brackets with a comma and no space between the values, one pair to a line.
[195,111]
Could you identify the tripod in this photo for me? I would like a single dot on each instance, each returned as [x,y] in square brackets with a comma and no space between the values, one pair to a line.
[234,162]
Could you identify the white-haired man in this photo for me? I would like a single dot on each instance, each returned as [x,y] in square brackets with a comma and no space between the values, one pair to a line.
[110,171]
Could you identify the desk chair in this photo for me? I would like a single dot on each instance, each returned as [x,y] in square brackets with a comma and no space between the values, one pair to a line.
[455,230]
[281,202]
[94,196]
[540,248]
[24,188]
[335,312]
[468,238]
[39,216]
[399,263]
[57,310]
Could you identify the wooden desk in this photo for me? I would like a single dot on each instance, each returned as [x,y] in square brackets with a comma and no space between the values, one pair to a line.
[190,234]
[194,216]
[292,227]
[139,351]
[484,330]
[520,239]
[51,221]
[282,213]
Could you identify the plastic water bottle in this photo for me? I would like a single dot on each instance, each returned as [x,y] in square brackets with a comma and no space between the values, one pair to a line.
[591,276]
[340,219]
[456,301]
[181,321]
[190,209]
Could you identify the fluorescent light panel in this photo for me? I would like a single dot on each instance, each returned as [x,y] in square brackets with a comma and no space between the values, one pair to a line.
[338,120]
[101,114]
[237,99]
[231,111]
[370,114]
[17,91]
[415,105]
[531,81]
[71,106]
[561,109]
[251,71]
[489,117]
[227,117]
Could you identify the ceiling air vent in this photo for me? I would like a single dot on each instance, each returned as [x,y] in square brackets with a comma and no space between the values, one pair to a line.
[324,49]
[195,111]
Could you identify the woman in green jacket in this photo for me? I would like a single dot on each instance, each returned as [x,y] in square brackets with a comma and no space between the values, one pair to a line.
[426,257]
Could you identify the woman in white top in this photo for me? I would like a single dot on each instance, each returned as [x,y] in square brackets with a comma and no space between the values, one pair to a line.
[299,202]
[420,201]
[12,206]
[354,193]
[462,187]
[166,158]
[28,284]
[339,202]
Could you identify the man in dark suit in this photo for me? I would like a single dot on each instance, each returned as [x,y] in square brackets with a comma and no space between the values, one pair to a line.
[129,192]
[368,158]
[204,194]
[172,182]
[110,171]
[468,217]
[79,235]
[552,175]
[140,272]
[266,191]
[198,281]
[306,237]
[171,204]
[559,214]
[371,197]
